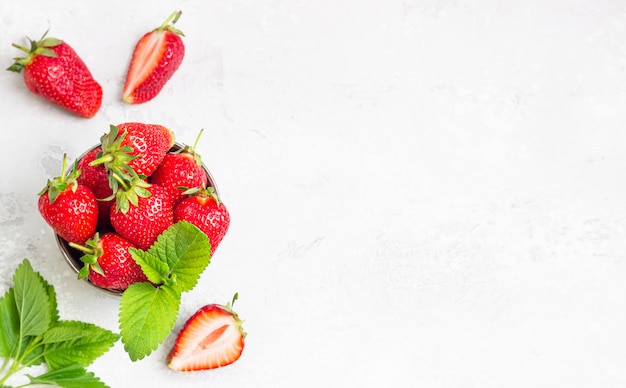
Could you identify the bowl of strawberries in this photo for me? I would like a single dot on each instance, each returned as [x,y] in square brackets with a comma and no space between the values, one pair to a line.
[122,194]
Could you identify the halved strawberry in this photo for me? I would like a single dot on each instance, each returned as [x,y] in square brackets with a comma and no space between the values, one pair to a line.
[213,337]
[156,57]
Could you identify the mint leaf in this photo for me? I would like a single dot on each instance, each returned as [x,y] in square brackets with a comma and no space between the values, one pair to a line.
[52,299]
[72,376]
[73,342]
[9,324]
[156,270]
[31,333]
[187,252]
[32,300]
[147,316]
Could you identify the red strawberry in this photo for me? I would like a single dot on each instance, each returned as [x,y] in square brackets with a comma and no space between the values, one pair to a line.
[211,338]
[54,71]
[156,57]
[68,207]
[204,209]
[108,263]
[96,179]
[139,146]
[142,212]
[179,171]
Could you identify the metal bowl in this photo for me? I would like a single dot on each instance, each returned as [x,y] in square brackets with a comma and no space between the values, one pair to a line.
[72,256]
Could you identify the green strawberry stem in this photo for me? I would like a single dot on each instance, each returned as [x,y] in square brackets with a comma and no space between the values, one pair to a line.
[232,303]
[122,181]
[204,192]
[63,168]
[91,251]
[131,192]
[192,150]
[41,47]
[168,23]
[59,184]
[195,145]
[196,156]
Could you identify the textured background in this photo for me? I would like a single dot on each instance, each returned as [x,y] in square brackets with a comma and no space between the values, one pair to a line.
[423,192]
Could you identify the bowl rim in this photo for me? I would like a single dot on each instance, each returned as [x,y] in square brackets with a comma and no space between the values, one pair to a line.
[72,256]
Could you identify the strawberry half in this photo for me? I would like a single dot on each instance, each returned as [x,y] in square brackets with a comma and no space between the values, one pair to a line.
[108,263]
[156,57]
[69,208]
[213,337]
[54,71]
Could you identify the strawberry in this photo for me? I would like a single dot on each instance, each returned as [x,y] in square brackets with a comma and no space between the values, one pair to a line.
[131,149]
[213,337]
[96,179]
[204,209]
[155,59]
[54,71]
[179,171]
[142,212]
[108,263]
[69,208]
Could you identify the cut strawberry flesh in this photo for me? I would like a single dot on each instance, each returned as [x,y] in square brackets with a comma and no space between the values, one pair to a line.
[209,340]
[148,53]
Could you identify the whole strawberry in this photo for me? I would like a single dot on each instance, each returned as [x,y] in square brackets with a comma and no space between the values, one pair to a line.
[155,59]
[108,263]
[132,149]
[96,179]
[204,209]
[54,71]
[179,171]
[142,212]
[211,338]
[69,208]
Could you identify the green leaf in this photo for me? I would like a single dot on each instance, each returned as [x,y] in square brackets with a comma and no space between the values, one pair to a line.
[32,300]
[187,252]
[9,324]
[156,270]
[10,332]
[147,316]
[73,376]
[73,342]
[52,298]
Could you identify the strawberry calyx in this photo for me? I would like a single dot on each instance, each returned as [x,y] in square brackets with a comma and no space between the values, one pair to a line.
[204,192]
[129,192]
[116,158]
[91,252]
[238,322]
[60,183]
[41,47]
[168,24]
[186,149]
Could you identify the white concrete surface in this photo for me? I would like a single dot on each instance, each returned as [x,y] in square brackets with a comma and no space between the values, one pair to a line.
[424,193]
